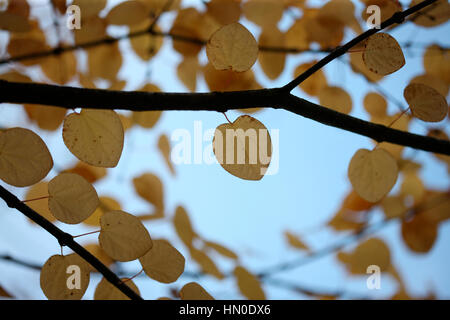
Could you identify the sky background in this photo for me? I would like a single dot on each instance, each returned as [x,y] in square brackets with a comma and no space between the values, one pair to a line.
[246,216]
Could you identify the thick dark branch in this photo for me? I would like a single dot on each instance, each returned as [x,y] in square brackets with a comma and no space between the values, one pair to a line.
[66,239]
[71,97]
[375,131]
[397,17]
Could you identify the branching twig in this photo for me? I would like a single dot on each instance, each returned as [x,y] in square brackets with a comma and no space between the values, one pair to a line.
[397,17]
[71,97]
[66,239]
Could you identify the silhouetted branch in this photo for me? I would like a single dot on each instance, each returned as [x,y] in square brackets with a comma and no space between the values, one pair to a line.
[397,17]
[66,239]
[71,97]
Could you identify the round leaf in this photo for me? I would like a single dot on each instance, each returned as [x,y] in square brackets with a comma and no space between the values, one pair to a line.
[382,54]
[56,277]
[425,102]
[372,173]
[94,136]
[194,291]
[24,157]
[123,236]
[72,199]
[232,47]
[163,262]
[106,291]
[243,148]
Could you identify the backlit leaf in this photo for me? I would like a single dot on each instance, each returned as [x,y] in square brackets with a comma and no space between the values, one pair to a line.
[248,284]
[123,236]
[335,98]
[370,252]
[106,291]
[94,136]
[72,199]
[163,262]
[372,173]
[164,148]
[232,47]
[243,148]
[24,157]
[55,277]
[183,226]
[194,291]
[425,102]
[382,54]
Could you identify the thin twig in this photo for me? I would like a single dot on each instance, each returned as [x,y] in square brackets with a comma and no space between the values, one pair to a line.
[66,239]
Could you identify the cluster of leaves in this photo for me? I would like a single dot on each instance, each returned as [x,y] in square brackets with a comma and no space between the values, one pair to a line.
[96,137]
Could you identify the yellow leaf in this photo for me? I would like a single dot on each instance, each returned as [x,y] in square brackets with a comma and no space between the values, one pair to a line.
[194,291]
[72,199]
[38,190]
[183,226]
[432,81]
[425,102]
[295,241]
[185,25]
[433,15]
[147,45]
[382,54]
[375,105]
[187,72]
[163,262]
[147,119]
[90,173]
[123,236]
[94,29]
[358,65]
[221,250]
[248,161]
[412,186]
[106,291]
[232,47]
[205,262]
[94,136]
[164,148]
[58,275]
[149,187]
[224,11]
[314,83]
[419,233]
[372,173]
[436,61]
[272,63]
[128,13]
[46,117]
[248,284]
[96,61]
[371,252]
[265,13]
[98,252]
[60,68]
[335,98]
[90,8]
[24,157]
[227,80]
[394,207]
[354,202]
[105,204]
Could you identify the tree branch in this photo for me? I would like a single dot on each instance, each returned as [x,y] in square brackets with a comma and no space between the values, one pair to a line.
[71,97]
[397,17]
[66,239]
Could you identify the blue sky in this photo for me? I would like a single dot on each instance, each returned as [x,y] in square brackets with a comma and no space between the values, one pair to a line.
[246,216]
